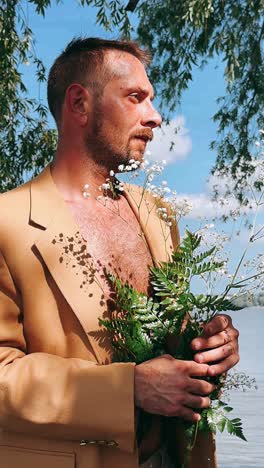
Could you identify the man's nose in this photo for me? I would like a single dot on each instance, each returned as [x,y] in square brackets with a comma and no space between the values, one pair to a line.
[152,117]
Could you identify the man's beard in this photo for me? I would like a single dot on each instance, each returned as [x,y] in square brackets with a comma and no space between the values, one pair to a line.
[110,152]
[107,153]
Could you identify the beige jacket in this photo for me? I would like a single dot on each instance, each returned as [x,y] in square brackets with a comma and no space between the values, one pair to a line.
[63,404]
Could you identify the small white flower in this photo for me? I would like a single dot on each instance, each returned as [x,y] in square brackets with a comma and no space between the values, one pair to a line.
[121,167]
[145,163]
[105,186]
[111,173]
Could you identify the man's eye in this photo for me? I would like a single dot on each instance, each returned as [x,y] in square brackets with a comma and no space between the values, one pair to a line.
[135,95]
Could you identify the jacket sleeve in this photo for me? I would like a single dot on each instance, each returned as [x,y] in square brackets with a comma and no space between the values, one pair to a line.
[61,398]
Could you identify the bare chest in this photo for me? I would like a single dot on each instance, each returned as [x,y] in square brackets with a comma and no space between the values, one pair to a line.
[115,242]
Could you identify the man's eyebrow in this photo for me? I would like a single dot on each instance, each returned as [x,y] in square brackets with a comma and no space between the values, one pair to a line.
[142,90]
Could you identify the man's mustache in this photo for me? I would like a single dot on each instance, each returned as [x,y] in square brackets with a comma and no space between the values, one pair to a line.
[146,134]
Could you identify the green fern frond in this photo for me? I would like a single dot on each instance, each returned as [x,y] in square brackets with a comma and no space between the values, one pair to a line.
[190,242]
[206,267]
[202,256]
[217,419]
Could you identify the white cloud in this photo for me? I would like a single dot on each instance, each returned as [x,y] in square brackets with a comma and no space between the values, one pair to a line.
[205,211]
[174,133]
[205,207]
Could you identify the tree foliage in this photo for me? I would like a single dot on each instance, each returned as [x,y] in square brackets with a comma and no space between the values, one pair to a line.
[181,36]
[196,31]
[26,142]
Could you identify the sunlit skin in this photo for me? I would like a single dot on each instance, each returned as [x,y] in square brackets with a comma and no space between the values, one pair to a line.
[97,133]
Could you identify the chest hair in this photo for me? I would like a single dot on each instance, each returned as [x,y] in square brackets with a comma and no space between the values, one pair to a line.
[115,241]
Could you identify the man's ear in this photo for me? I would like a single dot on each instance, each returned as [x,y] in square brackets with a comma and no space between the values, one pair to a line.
[78,103]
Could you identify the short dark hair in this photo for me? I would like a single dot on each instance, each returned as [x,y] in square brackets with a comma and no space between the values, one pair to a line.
[82,61]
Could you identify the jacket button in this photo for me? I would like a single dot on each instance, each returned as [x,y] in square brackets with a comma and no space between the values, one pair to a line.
[101,442]
[83,442]
[112,443]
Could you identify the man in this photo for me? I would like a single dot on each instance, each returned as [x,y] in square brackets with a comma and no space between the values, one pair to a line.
[63,404]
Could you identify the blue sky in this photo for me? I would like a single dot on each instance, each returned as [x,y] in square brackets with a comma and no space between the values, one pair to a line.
[192,159]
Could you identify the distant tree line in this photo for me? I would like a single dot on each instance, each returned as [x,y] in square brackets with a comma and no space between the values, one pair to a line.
[250,300]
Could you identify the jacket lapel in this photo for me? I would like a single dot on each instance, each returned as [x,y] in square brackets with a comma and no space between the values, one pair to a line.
[64,252]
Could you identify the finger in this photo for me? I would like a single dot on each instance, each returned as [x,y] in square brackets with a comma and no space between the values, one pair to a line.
[213,341]
[216,354]
[187,414]
[199,387]
[197,370]
[180,410]
[197,402]
[224,365]
[217,324]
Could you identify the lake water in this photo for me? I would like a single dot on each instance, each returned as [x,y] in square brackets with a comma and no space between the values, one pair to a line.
[249,405]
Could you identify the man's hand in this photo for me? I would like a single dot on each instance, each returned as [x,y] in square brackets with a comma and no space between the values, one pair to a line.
[168,386]
[218,344]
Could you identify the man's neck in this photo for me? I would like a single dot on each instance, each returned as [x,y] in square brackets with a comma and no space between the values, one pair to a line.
[78,177]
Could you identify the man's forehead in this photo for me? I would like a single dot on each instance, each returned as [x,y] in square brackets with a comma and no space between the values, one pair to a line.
[128,70]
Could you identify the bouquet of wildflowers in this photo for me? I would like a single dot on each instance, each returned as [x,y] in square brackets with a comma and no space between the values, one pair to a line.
[173,314]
